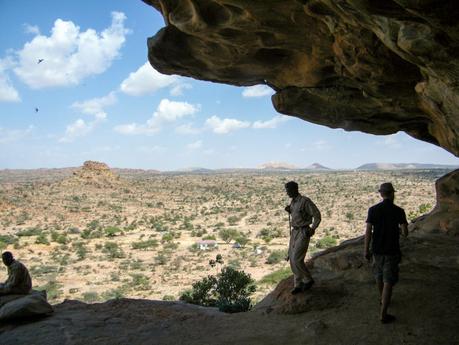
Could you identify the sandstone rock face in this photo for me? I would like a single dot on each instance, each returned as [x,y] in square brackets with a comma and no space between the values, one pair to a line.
[445,216]
[372,66]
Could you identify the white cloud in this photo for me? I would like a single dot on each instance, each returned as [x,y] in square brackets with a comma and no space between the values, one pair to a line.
[11,135]
[226,125]
[7,92]
[171,110]
[146,80]
[31,29]
[391,142]
[70,55]
[319,145]
[195,145]
[167,111]
[187,128]
[96,106]
[177,90]
[257,91]
[273,123]
[77,129]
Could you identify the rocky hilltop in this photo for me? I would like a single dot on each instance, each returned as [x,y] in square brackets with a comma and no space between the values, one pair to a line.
[95,174]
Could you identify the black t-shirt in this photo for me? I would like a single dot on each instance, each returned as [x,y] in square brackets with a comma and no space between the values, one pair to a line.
[386,219]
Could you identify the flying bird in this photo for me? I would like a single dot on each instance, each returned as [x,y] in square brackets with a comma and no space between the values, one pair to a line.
[40,60]
[36,110]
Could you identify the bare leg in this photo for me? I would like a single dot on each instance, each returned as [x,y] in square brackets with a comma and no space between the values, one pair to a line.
[380,288]
[386,297]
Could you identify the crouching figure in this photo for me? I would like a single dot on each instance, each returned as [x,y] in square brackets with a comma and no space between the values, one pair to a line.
[19,281]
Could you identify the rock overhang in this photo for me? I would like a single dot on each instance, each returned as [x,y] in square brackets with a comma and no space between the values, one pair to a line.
[375,67]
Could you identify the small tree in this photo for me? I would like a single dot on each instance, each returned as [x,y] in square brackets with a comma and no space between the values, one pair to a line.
[230,290]
[227,234]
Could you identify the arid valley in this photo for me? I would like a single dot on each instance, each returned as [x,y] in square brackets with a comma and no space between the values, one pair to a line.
[95,233]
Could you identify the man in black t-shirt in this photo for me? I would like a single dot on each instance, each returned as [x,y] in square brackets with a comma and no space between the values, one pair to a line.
[385,221]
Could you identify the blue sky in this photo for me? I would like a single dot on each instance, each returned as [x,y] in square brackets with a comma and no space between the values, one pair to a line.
[99,99]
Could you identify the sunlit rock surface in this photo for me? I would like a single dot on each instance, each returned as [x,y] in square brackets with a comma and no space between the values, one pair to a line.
[372,66]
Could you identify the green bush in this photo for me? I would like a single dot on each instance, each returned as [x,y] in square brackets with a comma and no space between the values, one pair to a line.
[114,293]
[91,296]
[112,231]
[144,244]
[140,281]
[42,239]
[29,232]
[242,240]
[267,234]
[425,208]
[80,249]
[276,256]
[230,291]
[276,276]
[59,238]
[113,251]
[326,242]
[233,220]
[5,240]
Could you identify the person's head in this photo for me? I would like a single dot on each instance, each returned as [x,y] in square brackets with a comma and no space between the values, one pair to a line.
[387,191]
[7,258]
[291,188]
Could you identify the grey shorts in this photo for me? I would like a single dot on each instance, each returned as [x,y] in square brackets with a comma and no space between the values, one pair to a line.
[385,268]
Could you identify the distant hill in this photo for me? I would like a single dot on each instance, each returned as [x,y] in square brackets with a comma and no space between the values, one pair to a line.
[317,166]
[277,166]
[197,170]
[401,166]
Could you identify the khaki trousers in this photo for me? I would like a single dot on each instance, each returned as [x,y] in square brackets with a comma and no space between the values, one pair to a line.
[297,249]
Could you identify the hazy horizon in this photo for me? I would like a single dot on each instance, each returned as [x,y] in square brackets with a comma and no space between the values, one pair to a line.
[282,167]
[75,85]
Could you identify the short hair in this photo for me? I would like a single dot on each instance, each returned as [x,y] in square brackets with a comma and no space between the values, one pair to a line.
[291,185]
[7,255]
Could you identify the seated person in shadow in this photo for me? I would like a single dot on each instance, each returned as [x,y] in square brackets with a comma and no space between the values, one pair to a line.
[19,281]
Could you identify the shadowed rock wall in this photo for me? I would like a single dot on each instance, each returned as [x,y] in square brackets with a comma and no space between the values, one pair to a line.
[372,66]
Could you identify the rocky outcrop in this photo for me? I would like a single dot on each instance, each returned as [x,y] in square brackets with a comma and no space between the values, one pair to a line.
[341,308]
[372,66]
[445,215]
[95,174]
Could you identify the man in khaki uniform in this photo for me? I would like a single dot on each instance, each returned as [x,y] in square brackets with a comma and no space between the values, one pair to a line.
[19,281]
[303,213]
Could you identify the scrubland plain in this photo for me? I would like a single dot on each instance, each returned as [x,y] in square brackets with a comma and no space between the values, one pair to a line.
[94,234]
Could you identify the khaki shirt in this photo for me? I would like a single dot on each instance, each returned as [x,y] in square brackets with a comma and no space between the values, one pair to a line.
[19,281]
[304,212]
